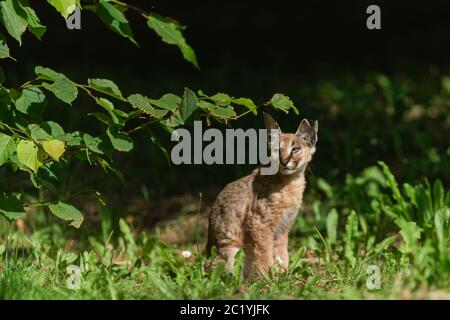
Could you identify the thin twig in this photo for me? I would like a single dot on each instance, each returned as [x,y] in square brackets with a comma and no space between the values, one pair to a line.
[143,13]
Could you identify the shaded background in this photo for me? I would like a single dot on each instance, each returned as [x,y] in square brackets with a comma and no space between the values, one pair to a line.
[378,94]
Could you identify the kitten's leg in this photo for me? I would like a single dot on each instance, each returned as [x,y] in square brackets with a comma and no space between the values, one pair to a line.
[258,253]
[280,250]
[227,255]
[226,251]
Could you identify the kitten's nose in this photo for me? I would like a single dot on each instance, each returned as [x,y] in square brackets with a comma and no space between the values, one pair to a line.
[284,162]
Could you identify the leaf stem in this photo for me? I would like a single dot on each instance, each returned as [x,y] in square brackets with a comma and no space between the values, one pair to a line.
[143,13]
[28,82]
[14,130]
[142,126]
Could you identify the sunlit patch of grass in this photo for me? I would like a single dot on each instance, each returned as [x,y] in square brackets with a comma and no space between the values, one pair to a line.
[370,221]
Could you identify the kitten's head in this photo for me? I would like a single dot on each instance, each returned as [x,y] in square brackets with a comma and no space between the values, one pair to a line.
[295,149]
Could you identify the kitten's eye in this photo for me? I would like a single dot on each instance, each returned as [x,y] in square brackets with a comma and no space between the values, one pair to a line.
[296,149]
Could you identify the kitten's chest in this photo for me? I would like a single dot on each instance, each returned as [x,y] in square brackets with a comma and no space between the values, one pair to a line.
[285,208]
[285,221]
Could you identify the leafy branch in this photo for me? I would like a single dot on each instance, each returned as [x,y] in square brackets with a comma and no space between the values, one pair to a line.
[29,144]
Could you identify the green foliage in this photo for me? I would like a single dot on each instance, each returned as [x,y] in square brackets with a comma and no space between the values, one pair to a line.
[67,212]
[369,219]
[188,104]
[45,150]
[115,19]
[29,154]
[34,24]
[14,18]
[280,101]
[107,87]
[10,206]
[136,265]
[65,7]
[4,49]
[378,218]
[170,32]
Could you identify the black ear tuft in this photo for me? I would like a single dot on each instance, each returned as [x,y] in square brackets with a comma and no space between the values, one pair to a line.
[270,123]
[307,132]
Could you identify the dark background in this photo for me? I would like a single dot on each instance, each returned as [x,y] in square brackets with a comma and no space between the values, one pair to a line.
[319,53]
[291,37]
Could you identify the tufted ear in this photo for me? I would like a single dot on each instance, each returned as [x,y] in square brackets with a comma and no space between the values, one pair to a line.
[308,132]
[273,134]
[270,123]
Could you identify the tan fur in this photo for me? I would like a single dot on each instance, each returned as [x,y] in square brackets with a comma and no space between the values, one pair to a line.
[257,211]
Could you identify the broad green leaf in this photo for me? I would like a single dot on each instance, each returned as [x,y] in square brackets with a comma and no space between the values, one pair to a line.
[67,212]
[11,207]
[29,154]
[63,89]
[188,104]
[217,111]
[170,32]
[7,145]
[168,29]
[65,7]
[105,103]
[249,104]
[51,128]
[34,24]
[14,18]
[107,87]
[93,143]
[102,118]
[114,19]
[55,148]
[189,54]
[221,99]
[332,221]
[31,100]
[47,73]
[410,233]
[120,140]
[223,112]
[72,139]
[282,102]
[168,101]
[36,132]
[109,107]
[4,49]
[140,102]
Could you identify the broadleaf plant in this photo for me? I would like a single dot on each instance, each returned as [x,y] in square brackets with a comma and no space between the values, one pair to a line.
[35,147]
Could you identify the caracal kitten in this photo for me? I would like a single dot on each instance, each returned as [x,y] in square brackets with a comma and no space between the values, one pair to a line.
[256,212]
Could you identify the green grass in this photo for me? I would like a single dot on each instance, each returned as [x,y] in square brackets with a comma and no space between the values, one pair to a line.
[404,231]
